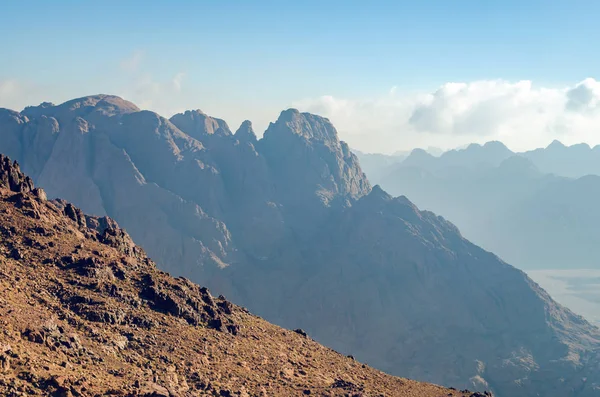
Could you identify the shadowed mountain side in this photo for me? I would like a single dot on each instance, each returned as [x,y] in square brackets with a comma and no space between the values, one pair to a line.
[288,226]
[84,312]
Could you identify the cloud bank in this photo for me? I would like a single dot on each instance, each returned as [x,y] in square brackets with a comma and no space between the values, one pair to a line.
[518,113]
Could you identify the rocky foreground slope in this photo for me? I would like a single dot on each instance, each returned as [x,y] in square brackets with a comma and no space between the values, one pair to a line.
[83,312]
[289,226]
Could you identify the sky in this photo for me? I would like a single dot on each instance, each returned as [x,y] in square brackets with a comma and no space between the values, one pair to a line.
[390,75]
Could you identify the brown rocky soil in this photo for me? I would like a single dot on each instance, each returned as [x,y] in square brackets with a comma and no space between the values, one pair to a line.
[84,312]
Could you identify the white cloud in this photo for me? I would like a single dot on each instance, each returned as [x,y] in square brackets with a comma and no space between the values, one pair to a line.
[517,113]
[177,79]
[163,96]
[16,94]
[584,96]
[520,114]
[128,78]
[133,61]
[8,88]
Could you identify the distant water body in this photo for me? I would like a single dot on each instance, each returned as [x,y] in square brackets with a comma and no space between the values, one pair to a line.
[579,290]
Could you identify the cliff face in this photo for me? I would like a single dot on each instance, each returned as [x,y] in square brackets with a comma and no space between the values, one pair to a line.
[84,312]
[289,226]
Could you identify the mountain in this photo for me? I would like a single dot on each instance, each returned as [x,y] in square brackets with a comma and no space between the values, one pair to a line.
[532,219]
[471,158]
[573,161]
[290,227]
[375,165]
[569,161]
[84,312]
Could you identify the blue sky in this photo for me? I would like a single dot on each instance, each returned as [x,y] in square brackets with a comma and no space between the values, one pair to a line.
[242,59]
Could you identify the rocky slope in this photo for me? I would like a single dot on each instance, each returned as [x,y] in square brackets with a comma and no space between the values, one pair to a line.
[289,226]
[84,312]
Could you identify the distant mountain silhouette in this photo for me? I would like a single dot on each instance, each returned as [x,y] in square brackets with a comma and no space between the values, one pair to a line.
[571,161]
[517,206]
[290,227]
[376,164]
[568,161]
[492,153]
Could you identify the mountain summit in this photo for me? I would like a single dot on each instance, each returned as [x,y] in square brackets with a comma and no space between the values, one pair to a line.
[290,227]
[299,139]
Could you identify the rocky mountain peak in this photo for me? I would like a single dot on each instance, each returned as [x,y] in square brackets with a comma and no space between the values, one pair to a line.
[518,165]
[496,146]
[473,147]
[12,178]
[90,107]
[198,125]
[106,104]
[495,150]
[420,153]
[307,158]
[556,145]
[420,157]
[306,125]
[246,133]
[100,101]
[38,110]
[12,117]
[584,147]
[378,193]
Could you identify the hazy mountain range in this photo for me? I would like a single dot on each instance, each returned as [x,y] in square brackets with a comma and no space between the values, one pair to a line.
[572,161]
[290,227]
[535,209]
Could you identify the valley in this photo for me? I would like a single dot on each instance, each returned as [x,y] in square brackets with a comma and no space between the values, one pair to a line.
[577,289]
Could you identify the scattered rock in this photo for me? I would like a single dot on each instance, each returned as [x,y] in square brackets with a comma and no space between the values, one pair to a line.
[155,390]
[4,363]
[301,332]
[16,254]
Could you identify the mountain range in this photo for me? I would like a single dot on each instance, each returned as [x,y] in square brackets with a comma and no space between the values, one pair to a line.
[522,206]
[84,312]
[573,161]
[290,227]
